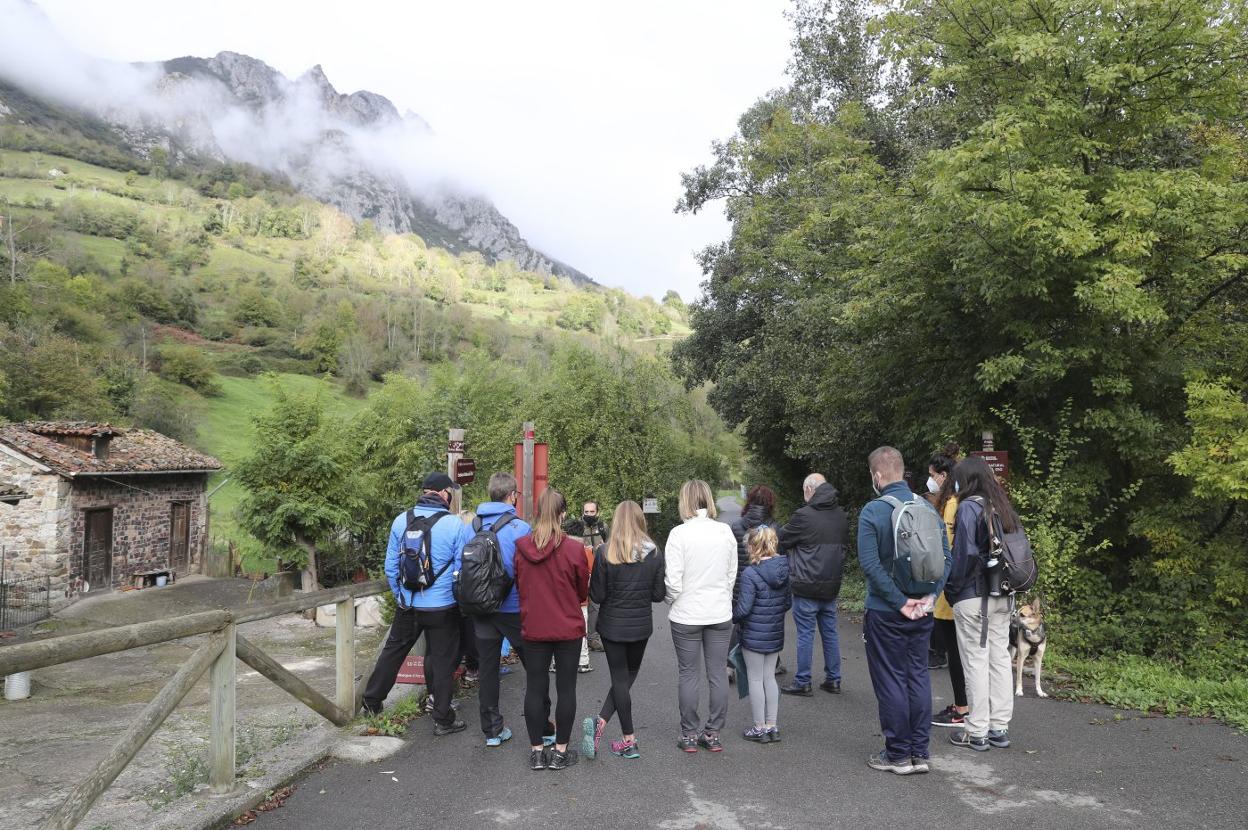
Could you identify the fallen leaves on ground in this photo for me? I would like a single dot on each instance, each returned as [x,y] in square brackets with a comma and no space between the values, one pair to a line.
[276,799]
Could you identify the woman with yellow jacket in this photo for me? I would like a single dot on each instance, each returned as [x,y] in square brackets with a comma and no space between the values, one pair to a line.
[940,486]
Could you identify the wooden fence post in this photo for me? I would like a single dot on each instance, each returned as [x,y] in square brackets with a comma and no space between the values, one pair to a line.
[221,751]
[345,648]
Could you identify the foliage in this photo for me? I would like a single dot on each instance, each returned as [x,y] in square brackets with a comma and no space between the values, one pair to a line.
[190,367]
[582,313]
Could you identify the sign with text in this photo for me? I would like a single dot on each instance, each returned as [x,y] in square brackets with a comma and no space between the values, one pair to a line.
[456,446]
[465,470]
[650,505]
[998,460]
[412,671]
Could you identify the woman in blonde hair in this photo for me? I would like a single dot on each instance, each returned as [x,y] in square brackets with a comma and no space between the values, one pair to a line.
[701,569]
[552,577]
[626,579]
[760,609]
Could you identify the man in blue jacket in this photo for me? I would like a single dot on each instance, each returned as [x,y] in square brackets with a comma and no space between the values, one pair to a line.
[491,629]
[431,611]
[898,627]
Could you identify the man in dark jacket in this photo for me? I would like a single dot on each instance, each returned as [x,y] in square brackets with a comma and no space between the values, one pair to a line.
[593,531]
[814,540]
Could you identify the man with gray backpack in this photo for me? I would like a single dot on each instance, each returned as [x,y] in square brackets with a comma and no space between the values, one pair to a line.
[486,591]
[904,554]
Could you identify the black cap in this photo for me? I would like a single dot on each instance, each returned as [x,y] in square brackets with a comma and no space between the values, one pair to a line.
[438,481]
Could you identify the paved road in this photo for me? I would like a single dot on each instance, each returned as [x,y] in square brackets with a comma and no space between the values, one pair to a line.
[1071,766]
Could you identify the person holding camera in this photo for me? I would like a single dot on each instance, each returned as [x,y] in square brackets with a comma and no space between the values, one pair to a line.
[981,609]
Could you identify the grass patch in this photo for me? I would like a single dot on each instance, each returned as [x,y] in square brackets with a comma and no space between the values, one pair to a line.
[394,721]
[1133,682]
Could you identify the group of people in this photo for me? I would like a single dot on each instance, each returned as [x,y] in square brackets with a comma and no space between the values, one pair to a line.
[729,582]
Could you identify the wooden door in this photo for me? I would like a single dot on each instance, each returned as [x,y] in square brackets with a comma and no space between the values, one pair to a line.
[179,537]
[98,549]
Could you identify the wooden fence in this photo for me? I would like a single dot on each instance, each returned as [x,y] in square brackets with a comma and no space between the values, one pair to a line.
[217,657]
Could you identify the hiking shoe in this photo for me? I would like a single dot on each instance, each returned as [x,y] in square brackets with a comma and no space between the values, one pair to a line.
[471,677]
[371,708]
[498,739]
[595,644]
[949,716]
[832,687]
[802,689]
[710,740]
[935,660]
[585,669]
[780,669]
[775,734]
[689,743]
[538,759]
[592,729]
[999,738]
[961,738]
[561,760]
[450,728]
[880,761]
[920,765]
[625,749]
[757,735]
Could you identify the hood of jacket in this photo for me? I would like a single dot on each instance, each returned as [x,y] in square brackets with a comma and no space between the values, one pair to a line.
[824,497]
[532,553]
[775,571]
[754,516]
[491,511]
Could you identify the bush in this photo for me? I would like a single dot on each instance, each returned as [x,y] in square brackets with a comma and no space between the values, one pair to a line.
[190,367]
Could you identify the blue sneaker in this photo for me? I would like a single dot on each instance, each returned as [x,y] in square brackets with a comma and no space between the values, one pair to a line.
[999,738]
[498,739]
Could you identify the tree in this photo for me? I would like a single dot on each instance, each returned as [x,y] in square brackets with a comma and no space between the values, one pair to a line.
[300,482]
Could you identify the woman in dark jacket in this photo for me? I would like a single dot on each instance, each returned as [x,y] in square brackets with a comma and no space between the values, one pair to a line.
[760,506]
[759,611]
[626,580]
[552,578]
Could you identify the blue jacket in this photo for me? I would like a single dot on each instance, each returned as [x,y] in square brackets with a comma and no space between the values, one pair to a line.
[449,536]
[876,550]
[970,549]
[489,513]
[762,603]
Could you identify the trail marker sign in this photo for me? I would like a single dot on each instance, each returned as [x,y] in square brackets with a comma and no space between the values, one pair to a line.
[465,470]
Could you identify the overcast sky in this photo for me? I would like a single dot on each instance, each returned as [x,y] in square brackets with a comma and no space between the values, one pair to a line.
[579,116]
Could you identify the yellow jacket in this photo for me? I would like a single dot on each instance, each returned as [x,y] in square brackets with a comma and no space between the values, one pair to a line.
[943,610]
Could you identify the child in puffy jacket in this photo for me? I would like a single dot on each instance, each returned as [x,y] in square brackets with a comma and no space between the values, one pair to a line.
[760,609]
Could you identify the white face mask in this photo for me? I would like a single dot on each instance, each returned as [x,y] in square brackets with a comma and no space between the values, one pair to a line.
[874,486]
[932,486]
[956,488]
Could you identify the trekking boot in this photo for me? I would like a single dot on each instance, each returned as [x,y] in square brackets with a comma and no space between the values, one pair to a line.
[832,687]
[710,740]
[999,738]
[561,760]
[500,738]
[802,689]
[880,761]
[758,735]
[949,716]
[962,738]
[538,759]
[449,729]
[920,765]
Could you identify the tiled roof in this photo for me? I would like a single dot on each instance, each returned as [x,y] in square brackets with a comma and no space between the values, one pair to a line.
[11,495]
[129,450]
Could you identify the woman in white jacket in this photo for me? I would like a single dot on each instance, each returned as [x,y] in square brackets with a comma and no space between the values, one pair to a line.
[701,569]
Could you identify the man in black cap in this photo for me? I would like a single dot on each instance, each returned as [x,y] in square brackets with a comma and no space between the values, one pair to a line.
[430,610]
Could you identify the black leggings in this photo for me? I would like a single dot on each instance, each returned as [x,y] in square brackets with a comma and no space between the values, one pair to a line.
[948,637]
[624,661]
[537,657]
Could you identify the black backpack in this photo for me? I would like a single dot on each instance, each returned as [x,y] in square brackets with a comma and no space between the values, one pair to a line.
[1012,552]
[416,553]
[483,582]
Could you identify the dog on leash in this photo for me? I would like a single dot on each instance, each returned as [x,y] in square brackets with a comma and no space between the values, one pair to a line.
[1028,637]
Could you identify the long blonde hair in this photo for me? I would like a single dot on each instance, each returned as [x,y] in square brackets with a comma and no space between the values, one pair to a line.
[551,506]
[695,495]
[762,543]
[628,533]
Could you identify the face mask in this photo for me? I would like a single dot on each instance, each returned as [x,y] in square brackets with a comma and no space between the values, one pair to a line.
[932,486]
[590,520]
[956,488]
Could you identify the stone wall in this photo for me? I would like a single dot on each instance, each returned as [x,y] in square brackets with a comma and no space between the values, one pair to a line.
[34,532]
[141,519]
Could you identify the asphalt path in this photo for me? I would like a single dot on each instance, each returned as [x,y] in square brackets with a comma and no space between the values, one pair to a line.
[1071,766]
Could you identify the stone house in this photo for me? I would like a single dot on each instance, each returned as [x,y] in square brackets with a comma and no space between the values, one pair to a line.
[95,504]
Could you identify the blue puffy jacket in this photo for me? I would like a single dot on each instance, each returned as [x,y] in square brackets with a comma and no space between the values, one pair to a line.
[489,513]
[448,538]
[765,598]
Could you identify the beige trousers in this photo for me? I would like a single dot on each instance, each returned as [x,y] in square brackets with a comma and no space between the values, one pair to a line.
[989,684]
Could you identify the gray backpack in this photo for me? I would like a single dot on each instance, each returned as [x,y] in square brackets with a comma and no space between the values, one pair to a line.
[919,546]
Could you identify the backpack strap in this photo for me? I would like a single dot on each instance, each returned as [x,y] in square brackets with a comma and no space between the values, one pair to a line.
[427,541]
[501,523]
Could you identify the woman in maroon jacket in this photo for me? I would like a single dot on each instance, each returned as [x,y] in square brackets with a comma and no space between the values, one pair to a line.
[552,576]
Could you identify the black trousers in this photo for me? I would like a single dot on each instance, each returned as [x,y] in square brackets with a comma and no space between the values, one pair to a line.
[947,634]
[566,654]
[624,662]
[468,645]
[490,631]
[441,630]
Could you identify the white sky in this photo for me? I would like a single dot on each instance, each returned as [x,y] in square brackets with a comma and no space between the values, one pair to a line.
[579,116]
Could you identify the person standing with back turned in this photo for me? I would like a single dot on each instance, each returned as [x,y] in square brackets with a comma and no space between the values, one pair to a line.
[898,627]
[701,570]
[814,541]
[552,576]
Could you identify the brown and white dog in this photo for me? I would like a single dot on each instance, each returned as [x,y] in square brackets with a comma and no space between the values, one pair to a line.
[1028,637]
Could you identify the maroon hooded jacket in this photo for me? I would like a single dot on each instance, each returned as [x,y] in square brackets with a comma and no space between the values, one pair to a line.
[553,582]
